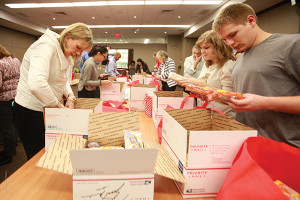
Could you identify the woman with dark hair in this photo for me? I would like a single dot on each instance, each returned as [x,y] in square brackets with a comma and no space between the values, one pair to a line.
[141,66]
[132,68]
[9,78]
[89,82]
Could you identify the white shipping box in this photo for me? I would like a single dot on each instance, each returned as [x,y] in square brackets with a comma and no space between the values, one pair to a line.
[121,174]
[161,99]
[138,77]
[137,95]
[114,169]
[70,121]
[121,79]
[203,143]
[114,92]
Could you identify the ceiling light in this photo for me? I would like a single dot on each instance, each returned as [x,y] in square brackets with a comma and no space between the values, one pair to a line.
[111,3]
[106,32]
[134,17]
[93,17]
[178,17]
[53,18]
[165,32]
[146,41]
[129,26]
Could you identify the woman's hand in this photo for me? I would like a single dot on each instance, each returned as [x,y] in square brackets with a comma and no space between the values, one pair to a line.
[106,83]
[189,80]
[251,103]
[157,77]
[70,104]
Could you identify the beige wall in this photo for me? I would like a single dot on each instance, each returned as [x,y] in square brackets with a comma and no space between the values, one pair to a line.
[143,51]
[15,42]
[283,19]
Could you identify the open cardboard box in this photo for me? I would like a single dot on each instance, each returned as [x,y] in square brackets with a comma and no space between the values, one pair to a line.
[139,77]
[70,121]
[114,92]
[161,99]
[147,78]
[137,95]
[204,144]
[95,171]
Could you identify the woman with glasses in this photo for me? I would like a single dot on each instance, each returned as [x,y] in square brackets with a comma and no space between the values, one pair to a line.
[89,82]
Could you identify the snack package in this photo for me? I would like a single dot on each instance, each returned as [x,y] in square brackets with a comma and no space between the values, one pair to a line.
[133,140]
[289,192]
[175,77]
[111,147]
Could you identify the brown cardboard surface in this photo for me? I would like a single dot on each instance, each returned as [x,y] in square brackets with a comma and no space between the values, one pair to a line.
[112,78]
[87,103]
[107,128]
[165,166]
[144,85]
[170,94]
[57,157]
[200,119]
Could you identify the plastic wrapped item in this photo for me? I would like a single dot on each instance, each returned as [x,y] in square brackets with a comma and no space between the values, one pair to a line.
[289,192]
[111,147]
[133,140]
[93,145]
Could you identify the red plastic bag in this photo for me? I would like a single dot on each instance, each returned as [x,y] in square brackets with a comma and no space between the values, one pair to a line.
[114,106]
[155,82]
[259,163]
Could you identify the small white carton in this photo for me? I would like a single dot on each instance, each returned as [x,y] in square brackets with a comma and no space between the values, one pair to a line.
[121,79]
[114,92]
[203,143]
[161,99]
[137,95]
[113,174]
[70,121]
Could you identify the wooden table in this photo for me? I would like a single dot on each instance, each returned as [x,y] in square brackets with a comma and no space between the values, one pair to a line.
[35,183]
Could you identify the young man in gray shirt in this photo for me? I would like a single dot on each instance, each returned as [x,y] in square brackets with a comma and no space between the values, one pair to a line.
[268,73]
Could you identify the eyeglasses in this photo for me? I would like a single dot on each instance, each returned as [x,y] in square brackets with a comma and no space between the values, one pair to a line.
[105,56]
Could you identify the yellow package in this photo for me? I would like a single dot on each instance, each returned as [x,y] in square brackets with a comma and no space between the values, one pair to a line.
[289,192]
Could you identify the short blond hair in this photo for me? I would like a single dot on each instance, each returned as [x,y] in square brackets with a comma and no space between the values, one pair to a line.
[234,13]
[222,51]
[162,55]
[76,31]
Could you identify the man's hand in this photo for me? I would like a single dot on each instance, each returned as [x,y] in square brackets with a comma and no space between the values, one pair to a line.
[106,83]
[251,103]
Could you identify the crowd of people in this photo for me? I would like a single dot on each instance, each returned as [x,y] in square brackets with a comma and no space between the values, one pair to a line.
[267,72]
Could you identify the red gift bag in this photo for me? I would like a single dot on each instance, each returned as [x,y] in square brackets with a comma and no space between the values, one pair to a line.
[260,162]
[148,105]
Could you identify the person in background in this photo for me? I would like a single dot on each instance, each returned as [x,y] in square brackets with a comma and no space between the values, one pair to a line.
[89,82]
[141,66]
[111,68]
[268,73]
[44,81]
[9,78]
[219,63]
[193,64]
[83,58]
[167,66]
[132,68]
[157,63]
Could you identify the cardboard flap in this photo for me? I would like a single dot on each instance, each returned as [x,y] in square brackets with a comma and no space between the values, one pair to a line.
[111,78]
[57,157]
[145,86]
[113,161]
[165,166]
[200,119]
[59,120]
[107,128]
[169,93]
[87,103]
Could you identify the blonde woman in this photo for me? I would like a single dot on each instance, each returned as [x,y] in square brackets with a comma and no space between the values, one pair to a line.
[44,81]
[219,62]
[167,66]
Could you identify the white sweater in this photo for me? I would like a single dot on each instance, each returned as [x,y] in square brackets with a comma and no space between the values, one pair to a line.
[44,74]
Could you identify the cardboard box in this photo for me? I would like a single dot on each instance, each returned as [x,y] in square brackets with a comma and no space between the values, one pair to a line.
[114,92]
[147,78]
[139,77]
[70,121]
[137,96]
[130,171]
[203,143]
[162,99]
[121,79]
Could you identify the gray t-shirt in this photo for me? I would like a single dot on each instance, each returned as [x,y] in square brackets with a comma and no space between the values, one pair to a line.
[271,68]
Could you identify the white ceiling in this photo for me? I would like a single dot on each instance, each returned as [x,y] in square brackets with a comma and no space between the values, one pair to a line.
[35,20]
